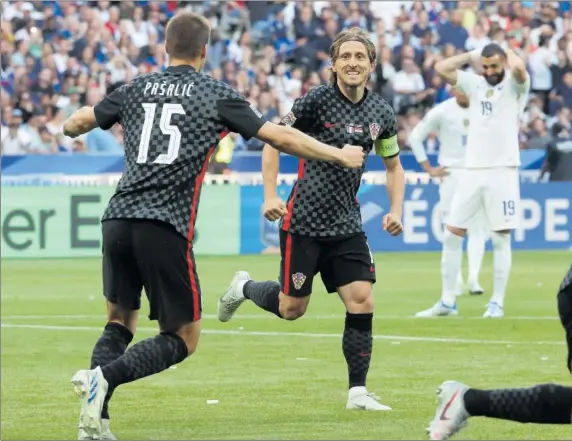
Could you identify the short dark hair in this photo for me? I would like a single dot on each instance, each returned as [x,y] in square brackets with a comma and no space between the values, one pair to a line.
[186,35]
[492,49]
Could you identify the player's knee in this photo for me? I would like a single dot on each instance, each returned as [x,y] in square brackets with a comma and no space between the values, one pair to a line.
[190,334]
[292,308]
[360,301]
[501,239]
[124,317]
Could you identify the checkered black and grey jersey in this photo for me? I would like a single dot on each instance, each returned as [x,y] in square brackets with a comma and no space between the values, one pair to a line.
[172,122]
[323,201]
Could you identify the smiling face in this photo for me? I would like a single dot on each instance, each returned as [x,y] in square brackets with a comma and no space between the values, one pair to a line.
[493,69]
[353,58]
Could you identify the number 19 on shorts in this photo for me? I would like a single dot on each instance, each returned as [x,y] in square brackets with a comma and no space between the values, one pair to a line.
[509,207]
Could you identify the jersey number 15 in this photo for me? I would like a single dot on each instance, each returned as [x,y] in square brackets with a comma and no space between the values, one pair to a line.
[167,129]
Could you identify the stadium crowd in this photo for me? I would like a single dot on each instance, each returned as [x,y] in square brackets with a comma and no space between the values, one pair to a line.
[57,56]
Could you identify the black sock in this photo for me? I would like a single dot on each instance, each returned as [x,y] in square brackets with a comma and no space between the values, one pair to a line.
[264,295]
[543,404]
[357,344]
[110,346]
[146,358]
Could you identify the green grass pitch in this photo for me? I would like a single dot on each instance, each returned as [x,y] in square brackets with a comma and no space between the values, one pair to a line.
[275,379]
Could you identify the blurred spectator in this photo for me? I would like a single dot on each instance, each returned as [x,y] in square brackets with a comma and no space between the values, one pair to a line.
[15,139]
[58,56]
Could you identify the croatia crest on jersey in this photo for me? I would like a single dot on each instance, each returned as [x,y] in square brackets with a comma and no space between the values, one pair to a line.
[289,119]
[374,130]
[298,279]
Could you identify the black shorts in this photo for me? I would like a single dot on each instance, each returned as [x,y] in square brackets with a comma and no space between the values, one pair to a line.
[340,261]
[150,254]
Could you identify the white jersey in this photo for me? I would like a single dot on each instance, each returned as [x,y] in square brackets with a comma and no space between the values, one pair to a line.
[495,113]
[450,123]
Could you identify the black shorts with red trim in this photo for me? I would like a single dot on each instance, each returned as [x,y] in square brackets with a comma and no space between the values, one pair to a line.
[339,260]
[150,254]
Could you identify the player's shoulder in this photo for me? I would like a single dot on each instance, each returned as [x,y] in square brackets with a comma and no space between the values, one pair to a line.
[450,104]
[317,93]
[220,89]
[379,103]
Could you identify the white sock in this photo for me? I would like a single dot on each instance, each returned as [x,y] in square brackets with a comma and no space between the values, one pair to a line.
[450,266]
[502,261]
[460,284]
[475,253]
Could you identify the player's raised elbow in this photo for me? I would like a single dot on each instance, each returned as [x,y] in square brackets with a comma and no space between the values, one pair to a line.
[444,70]
[81,121]
[441,67]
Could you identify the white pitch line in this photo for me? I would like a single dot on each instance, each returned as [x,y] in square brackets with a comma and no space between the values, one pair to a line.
[296,334]
[269,316]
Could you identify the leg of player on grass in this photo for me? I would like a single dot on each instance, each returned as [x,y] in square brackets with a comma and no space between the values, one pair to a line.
[491,180]
[321,229]
[450,121]
[173,121]
[541,404]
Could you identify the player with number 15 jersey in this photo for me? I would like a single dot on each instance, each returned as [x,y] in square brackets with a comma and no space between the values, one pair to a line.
[172,121]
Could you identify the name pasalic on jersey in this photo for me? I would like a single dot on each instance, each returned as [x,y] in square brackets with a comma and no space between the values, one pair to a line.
[164,89]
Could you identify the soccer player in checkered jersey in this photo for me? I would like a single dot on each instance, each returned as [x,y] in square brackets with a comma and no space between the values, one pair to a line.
[172,122]
[542,404]
[450,121]
[490,182]
[321,227]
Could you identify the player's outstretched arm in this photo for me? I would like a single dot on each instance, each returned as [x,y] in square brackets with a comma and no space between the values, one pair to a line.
[274,207]
[80,122]
[104,115]
[296,143]
[447,68]
[240,117]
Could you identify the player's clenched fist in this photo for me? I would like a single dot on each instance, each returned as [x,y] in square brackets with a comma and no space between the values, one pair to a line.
[274,209]
[352,156]
[392,224]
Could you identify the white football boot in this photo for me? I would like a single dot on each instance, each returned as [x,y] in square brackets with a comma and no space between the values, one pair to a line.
[439,309]
[494,310]
[451,415]
[105,432]
[91,387]
[233,297]
[360,398]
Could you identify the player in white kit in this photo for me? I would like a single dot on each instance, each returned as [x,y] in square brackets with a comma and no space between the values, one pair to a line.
[491,180]
[449,120]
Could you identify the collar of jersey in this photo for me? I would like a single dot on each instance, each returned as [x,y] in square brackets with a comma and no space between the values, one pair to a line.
[345,98]
[180,68]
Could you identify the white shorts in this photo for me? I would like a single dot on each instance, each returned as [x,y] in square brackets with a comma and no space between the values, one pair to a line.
[447,189]
[490,192]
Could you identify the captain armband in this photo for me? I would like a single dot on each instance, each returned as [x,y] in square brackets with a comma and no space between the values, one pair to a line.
[387,148]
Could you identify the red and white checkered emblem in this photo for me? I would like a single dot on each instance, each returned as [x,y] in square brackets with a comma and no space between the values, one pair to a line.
[298,279]
[374,130]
